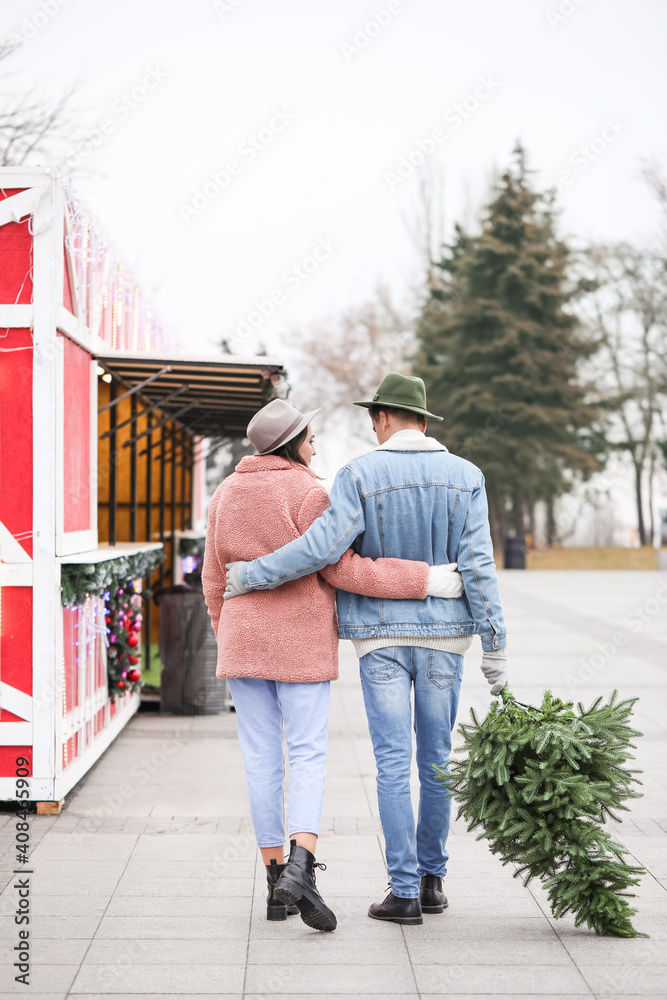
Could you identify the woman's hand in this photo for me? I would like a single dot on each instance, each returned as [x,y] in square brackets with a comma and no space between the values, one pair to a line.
[234,573]
[444,581]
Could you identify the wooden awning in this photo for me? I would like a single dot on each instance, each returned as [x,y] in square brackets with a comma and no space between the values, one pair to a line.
[211,396]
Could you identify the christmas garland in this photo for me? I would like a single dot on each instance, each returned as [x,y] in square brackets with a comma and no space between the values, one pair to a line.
[114,579]
[79,580]
[123,620]
[539,782]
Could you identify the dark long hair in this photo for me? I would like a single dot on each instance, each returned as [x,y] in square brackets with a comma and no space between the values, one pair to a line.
[290,450]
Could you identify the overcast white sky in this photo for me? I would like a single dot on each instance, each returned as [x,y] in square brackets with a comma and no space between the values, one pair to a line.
[346,117]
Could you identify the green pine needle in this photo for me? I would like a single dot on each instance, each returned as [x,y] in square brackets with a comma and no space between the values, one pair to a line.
[80,580]
[540,782]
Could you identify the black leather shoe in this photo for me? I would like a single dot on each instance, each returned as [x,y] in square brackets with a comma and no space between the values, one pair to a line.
[431,896]
[296,886]
[276,910]
[398,909]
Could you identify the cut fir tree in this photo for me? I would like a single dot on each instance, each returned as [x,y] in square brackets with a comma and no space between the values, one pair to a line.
[540,782]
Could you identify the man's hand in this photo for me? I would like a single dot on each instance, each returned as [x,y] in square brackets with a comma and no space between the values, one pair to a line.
[444,581]
[495,668]
[234,586]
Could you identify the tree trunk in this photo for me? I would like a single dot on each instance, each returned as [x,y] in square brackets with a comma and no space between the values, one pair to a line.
[517,514]
[640,503]
[496,520]
[531,521]
[551,522]
[651,505]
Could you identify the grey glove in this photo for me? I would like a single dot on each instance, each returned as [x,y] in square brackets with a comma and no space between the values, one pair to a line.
[444,581]
[234,586]
[495,668]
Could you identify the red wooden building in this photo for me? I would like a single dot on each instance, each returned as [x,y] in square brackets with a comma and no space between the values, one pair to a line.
[104,428]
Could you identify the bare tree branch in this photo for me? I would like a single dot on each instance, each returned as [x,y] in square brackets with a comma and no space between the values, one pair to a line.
[345,357]
[627,308]
[29,125]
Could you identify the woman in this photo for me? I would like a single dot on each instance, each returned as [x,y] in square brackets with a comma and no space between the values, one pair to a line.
[279,648]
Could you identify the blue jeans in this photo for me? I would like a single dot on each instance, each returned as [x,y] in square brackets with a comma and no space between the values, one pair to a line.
[387,677]
[261,709]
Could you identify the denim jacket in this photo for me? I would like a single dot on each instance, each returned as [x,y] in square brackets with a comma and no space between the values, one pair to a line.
[411,499]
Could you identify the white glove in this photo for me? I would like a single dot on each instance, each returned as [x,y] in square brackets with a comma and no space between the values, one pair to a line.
[234,586]
[495,668]
[444,581]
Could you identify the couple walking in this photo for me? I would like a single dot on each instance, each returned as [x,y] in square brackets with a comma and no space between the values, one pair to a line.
[399,560]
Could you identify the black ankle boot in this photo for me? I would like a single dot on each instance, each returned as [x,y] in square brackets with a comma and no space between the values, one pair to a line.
[431,896]
[276,910]
[296,885]
[397,909]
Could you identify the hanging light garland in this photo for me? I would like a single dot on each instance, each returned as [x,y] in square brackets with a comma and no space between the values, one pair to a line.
[111,301]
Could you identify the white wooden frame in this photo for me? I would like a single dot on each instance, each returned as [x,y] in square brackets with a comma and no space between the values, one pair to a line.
[47,691]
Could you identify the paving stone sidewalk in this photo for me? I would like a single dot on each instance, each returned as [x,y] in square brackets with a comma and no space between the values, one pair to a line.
[149,883]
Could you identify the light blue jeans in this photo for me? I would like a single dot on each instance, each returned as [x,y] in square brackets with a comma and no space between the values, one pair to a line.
[387,678]
[261,709]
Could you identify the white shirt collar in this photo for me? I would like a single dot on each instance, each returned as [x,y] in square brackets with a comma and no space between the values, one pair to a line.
[409,432]
[411,439]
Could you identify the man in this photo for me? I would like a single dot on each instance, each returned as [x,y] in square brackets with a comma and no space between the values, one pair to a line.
[409,498]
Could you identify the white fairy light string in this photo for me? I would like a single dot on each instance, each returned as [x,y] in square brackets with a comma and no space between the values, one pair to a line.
[113,305]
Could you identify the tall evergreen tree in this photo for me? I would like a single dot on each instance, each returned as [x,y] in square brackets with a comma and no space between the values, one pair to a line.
[499,353]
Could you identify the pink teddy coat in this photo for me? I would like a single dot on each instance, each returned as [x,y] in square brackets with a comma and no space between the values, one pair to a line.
[290,633]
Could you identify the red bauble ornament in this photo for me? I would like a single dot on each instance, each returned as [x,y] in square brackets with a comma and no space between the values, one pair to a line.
[107,619]
[133,659]
[121,684]
[133,640]
[134,675]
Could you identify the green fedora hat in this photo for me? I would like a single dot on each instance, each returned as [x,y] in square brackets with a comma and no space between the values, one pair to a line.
[405,392]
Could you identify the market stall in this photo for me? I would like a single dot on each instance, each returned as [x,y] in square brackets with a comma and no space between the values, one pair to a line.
[105,425]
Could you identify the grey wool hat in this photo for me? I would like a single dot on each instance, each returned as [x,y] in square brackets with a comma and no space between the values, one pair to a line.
[276,424]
